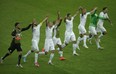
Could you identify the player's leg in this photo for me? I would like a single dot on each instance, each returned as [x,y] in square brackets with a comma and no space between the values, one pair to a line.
[51,47]
[90,35]
[10,51]
[36,55]
[66,40]
[46,46]
[51,57]
[34,47]
[84,37]
[19,50]
[103,32]
[25,56]
[97,42]
[81,35]
[73,39]
[84,41]
[19,59]
[36,58]
[79,39]
[94,32]
[60,49]
[28,53]
[57,41]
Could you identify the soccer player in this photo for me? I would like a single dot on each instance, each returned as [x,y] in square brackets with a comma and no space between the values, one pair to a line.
[93,25]
[49,44]
[69,34]
[82,31]
[56,37]
[100,27]
[35,41]
[15,44]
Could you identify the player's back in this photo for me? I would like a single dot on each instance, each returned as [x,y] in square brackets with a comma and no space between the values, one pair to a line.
[49,32]
[69,25]
[103,15]
[36,32]
[83,18]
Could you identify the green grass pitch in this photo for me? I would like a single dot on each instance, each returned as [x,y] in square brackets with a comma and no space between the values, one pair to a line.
[90,61]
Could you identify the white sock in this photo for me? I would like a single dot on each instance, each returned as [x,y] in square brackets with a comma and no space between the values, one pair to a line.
[58,49]
[41,53]
[63,45]
[74,48]
[84,40]
[51,57]
[100,35]
[91,37]
[36,57]
[61,53]
[78,40]
[28,53]
[87,36]
[97,43]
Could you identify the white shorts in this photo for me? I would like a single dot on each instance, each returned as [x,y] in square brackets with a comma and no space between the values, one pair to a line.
[82,29]
[35,45]
[92,30]
[69,36]
[49,45]
[100,28]
[57,41]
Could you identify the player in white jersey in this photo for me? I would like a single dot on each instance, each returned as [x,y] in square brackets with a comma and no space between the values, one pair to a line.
[100,27]
[69,34]
[35,41]
[56,37]
[82,31]
[49,44]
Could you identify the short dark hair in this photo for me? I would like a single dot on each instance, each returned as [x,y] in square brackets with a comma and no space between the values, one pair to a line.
[68,14]
[105,8]
[16,24]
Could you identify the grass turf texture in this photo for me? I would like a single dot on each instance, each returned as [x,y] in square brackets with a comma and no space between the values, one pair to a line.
[90,61]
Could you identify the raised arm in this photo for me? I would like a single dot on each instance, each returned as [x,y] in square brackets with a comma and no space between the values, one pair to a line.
[92,11]
[106,18]
[110,21]
[26,28]
[45,19]
[80,8]
[58,14]
[59,20]
[76,13]
[46,22]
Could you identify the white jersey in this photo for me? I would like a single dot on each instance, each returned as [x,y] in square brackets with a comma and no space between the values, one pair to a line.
[83,19]
[49,32]
[69,25]
[104,15]
[36,32]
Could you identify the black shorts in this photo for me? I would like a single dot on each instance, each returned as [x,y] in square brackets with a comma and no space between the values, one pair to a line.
[14,46]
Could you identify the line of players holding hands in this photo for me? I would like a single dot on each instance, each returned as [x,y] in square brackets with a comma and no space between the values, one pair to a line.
[95,26]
